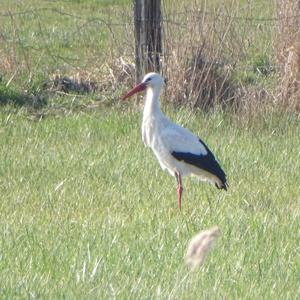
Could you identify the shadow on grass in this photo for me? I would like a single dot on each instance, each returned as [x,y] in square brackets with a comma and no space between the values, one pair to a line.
[12,96]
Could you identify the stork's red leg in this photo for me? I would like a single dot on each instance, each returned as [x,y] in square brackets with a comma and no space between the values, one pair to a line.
[179,188]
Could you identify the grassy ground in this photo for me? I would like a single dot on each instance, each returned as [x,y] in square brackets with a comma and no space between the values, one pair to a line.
[86,211]
[42,38]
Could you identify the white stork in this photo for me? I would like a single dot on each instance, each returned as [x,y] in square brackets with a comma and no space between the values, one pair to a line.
[176,148]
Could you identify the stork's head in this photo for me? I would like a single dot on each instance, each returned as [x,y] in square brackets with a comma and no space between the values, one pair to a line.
[150,80]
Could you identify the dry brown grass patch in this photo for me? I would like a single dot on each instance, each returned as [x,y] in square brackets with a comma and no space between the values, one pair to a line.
[287,49]
[200,245]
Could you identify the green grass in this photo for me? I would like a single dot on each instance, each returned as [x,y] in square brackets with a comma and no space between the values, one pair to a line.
[87,213]
[11,95]
[40,38]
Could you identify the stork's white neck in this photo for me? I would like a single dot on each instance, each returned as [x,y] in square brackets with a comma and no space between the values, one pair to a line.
[152,105]
[152,116]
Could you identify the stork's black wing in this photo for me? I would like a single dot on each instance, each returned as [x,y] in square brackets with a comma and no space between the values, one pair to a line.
[205,162]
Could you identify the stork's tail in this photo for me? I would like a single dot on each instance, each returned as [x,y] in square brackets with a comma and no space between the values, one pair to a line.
[221,184]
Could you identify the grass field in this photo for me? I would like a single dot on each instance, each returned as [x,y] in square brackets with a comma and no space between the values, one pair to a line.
[86,211]
[42,38]
[68,37]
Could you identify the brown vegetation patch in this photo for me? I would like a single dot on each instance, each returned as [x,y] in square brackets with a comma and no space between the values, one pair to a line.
[287,49]
[290,93]
[68,84]
[120,72]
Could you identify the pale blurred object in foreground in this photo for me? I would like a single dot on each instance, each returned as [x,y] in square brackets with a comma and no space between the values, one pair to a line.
[200,245]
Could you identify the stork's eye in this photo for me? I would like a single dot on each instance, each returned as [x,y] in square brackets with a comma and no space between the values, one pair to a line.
[148,79]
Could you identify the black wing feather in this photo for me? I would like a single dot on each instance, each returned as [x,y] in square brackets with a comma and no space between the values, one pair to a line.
[205,162]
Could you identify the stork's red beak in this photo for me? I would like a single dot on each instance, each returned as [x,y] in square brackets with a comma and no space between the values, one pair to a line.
[140,87]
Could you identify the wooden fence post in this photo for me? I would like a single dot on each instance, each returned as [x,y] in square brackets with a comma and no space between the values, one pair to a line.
[148,38]
[138,35]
